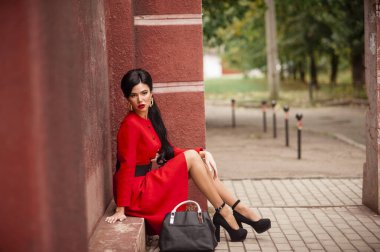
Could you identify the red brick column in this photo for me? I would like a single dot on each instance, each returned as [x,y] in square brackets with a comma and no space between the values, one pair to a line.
[121,58]
[371,174]
[55,154]
[165,38]
[42,173]
[169,45]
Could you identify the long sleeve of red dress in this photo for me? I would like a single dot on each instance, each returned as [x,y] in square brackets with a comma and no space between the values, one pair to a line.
[127,140]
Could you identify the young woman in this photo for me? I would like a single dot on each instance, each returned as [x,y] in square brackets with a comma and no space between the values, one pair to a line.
[143,192]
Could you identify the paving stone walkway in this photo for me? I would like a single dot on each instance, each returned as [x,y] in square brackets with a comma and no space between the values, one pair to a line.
[320,208]
[297,192]
[307,215]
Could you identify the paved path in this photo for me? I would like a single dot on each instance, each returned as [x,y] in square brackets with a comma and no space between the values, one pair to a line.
[320,208]
[307,215]
[314,203]
[247,152]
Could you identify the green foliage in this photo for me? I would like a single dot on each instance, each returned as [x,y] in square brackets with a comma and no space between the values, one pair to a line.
[320,27]
[238,28]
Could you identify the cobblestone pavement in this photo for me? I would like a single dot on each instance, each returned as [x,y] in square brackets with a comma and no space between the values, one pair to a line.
[314,203]
[307,215]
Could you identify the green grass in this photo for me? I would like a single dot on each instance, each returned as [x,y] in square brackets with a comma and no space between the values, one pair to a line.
[238,88]
[235,85]
[251,91]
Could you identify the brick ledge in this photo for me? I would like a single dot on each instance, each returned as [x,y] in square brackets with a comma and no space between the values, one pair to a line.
[128,235]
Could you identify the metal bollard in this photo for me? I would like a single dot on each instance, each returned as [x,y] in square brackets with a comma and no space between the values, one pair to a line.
[264,109]
[233,102]
[299,128]
[286,110]
[274,119]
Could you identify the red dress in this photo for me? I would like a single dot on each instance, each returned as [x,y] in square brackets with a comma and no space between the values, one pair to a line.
[160,190]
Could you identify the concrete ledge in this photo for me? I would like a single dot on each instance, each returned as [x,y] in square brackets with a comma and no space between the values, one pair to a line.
[128,235]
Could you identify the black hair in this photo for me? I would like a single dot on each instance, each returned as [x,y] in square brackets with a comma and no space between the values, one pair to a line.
[132,78]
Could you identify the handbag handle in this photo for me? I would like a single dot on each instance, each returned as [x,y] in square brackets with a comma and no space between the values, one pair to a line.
[172,214]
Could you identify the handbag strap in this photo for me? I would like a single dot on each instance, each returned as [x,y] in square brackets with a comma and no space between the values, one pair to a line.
[185,202]
[172,214]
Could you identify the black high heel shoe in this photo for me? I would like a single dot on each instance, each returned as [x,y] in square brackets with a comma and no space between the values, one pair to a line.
[259,226]
[235,234]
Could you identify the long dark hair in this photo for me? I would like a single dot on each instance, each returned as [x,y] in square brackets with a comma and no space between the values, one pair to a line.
[131,79]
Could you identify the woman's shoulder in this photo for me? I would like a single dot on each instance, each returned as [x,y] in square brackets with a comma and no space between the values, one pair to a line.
[129,121]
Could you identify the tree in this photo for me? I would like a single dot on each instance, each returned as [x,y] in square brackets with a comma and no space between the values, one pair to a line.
[308,32]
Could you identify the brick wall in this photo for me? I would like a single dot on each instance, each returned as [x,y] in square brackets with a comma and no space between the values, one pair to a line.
[165,38]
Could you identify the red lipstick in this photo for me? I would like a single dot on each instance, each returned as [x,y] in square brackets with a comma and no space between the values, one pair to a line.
[141,106]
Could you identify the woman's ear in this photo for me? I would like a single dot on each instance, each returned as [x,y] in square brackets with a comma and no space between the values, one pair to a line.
[129,105]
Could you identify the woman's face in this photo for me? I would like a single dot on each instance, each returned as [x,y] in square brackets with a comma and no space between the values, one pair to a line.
[140,98]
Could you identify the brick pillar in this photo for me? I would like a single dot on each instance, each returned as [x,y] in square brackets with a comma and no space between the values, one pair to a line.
[55,151]
[371,175]
[42,174]
[169,45]
[121,58]
[165,38]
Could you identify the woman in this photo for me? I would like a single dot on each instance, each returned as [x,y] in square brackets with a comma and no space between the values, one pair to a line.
[142,192]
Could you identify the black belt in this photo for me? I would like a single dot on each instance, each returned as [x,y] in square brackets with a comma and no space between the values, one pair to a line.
[140,170]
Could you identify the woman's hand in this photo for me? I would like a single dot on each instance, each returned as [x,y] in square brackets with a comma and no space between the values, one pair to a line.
[210,162]
[118,215]
[154,160]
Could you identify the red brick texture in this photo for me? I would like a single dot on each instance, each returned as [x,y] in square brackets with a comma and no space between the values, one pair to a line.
[159,7]
[170,53]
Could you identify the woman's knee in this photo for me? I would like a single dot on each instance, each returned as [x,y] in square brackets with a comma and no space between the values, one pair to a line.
[191,155]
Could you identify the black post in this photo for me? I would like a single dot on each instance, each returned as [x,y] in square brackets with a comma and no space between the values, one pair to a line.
[286,110]
[274,119]
[299,128]
[264,108]
[233,112]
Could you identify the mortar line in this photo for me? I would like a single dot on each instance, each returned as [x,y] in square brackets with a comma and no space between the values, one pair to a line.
[335,225]
[314,187]
[338,189]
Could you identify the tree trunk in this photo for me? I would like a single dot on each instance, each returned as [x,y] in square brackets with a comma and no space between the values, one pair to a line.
[357,68]
[282,74]
[301,67]
[334,69]
[313,71]
[271,47]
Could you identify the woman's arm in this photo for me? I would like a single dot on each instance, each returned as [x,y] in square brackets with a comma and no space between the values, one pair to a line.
[127,140]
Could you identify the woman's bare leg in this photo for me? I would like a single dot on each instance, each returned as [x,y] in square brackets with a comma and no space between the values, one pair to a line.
[230,199]
[198,173]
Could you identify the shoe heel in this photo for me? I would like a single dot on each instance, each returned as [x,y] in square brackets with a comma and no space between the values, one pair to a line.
[239,223]
[217,233]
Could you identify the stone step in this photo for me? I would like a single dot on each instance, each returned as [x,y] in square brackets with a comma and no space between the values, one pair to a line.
[128,236]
